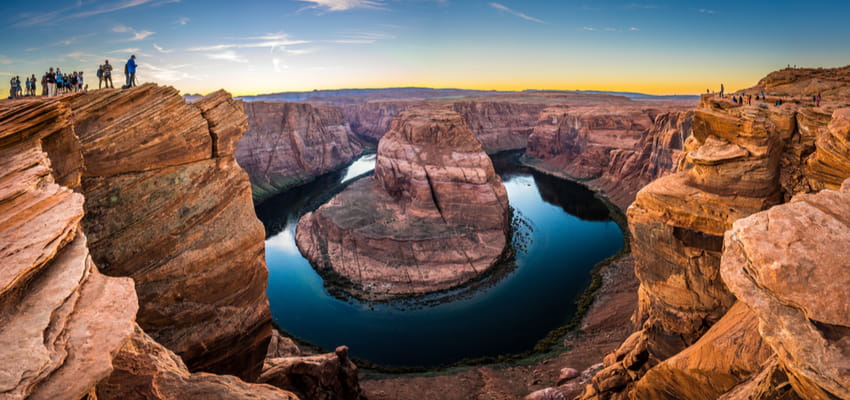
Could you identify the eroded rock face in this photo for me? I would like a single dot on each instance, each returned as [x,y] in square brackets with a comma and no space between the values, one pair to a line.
[739,161]
[289,144]
[500,126]
[789,264]
[372,120]
[161,180]
[62,321]
[614,149]
[433,216]
[144,369]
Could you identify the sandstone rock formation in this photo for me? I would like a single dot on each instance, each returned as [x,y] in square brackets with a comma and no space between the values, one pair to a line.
[697,340]
[829,82]
[161,180]
[615,149]
[289,144]
[500,125]
[144,369]
[790,265]
[61,321]
[433,216]
[320,377]
[372,120]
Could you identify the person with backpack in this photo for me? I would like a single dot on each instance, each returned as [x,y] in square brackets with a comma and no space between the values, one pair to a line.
[29,84]
[44,84]
[130,71]
[107,74]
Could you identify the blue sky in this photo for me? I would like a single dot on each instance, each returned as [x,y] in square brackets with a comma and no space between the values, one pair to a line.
[251,47]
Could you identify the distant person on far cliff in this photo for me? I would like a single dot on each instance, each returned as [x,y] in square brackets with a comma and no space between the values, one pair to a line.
[107,74]
[721,90]
[750,100]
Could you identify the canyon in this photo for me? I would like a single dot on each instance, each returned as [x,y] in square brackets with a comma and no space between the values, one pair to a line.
[433,216]
[135,265]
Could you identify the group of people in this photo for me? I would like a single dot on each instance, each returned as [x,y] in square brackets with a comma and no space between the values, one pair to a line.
[55,83]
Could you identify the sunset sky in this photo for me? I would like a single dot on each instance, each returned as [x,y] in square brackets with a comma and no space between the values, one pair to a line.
[250,47]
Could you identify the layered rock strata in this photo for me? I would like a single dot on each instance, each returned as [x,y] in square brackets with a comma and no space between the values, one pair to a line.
[434,215]
[500,125]
[144,369]
[289,144]
[616,150]
[161,180]
[694,343]
[318,377]
[61,320]
[372,120]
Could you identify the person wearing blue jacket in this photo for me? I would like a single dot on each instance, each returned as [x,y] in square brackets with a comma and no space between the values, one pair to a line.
[131,71]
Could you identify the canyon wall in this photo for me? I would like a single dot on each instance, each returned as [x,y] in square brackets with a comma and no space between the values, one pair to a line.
[434,215]
[500,125]
[161,180]
[67,330]
[289,144]
[614,149]
[735,317]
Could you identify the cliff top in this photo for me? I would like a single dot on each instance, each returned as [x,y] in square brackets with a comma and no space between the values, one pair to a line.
[833,82]
[434,126]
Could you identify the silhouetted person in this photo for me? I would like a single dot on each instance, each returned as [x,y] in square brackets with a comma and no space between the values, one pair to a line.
[107,74]
[721,90]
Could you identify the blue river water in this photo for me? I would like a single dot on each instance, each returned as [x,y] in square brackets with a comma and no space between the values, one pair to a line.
[565,232]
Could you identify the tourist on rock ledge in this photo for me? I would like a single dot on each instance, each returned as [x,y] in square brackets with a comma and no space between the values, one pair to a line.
[721,90]
[107,74]
[130,72]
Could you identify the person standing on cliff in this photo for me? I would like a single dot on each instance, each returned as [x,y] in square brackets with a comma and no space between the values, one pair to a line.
[51,83]
[107,75]
[130,70]
[721,90]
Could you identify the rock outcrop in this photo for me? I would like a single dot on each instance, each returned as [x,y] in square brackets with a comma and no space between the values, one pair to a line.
[144,369]
[61,321]
[613,149]
[321,377]
[698,337]
[434,215]
[289,144]
[789,265]
[161,180]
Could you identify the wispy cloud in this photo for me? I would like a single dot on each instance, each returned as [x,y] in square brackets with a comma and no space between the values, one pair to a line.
[588,29]
[77,11]
[171,73]
[182,21]
[634,29]
[342,5]
[228,55]
[124,51]
[137,34]
[706,11]
[278,64]
[271,41]
[526,17]
[161,50]
[5,60]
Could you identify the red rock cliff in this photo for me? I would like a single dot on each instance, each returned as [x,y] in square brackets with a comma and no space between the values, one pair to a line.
[161,180]
[289,144]
[702,335]
[434,215]
[615,149]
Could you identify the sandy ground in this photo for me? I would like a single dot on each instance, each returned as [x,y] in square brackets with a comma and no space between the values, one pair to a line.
[606,325]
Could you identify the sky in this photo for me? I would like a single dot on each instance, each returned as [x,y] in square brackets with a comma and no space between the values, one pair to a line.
[252,47]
